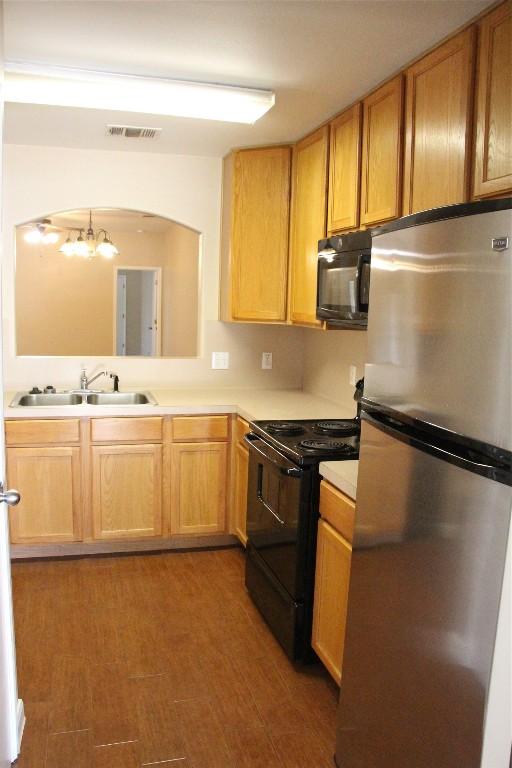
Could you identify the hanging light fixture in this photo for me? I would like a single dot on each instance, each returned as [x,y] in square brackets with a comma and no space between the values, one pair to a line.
[41,233]
[87,247]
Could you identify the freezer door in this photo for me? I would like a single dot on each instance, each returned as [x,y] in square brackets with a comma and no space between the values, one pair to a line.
[439,330]
[427,569]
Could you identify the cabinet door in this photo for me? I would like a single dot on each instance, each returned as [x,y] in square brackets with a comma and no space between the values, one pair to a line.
[309,201]
[241,477]
[344,167]
[259,239]
[382,153]
[198,487]
[126,491]
[438,120]
[49,482]
[332,576]
[493,155]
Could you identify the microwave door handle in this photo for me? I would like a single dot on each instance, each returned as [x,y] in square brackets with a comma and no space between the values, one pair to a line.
[359,281]
[361,261]
[288,471]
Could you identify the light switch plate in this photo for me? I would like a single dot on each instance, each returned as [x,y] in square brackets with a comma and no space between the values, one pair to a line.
[220,360]
[352,375]
[266,360]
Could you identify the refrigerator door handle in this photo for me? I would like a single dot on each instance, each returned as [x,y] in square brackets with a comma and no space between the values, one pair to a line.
[442,448]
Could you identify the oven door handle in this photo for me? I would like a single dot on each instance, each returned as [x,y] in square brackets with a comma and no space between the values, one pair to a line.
[251,438]
[269,508]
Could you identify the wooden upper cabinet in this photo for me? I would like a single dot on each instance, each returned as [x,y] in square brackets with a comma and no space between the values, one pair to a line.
[308,222]
[255,253]
[344,170]
[493,150]
[438,126]
[381,174]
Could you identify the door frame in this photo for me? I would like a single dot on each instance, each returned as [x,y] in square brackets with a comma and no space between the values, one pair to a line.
[157,304]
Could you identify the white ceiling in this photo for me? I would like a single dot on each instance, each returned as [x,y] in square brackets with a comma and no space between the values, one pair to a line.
[317,55]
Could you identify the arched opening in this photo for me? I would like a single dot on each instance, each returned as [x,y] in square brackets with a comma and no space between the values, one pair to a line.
[106,282]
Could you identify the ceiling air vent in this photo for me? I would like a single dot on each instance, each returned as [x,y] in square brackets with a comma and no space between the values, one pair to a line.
[133,131]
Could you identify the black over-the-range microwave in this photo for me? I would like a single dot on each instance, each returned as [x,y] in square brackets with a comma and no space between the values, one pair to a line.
[343,285]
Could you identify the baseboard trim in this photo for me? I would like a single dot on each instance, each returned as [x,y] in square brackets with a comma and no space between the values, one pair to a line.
[20,722]
[80,549]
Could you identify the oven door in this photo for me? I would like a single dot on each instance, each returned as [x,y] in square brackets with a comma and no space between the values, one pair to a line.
[278,499]
[343,287]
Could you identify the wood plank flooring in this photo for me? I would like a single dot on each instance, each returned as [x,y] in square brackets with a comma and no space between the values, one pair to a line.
[160,660]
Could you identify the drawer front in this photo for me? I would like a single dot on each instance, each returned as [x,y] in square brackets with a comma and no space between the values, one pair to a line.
[200,428]
[42,431]
[242,428]
[122,429]
[337,509]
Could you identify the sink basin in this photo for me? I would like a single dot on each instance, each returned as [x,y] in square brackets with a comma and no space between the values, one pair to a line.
[74,398]
[121,398]
[60,398]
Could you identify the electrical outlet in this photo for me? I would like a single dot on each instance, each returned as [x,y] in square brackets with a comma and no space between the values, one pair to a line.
[220,360]
[352,375]
[266,360]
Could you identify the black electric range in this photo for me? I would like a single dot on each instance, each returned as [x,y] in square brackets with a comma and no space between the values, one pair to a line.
[282,519]
[311,441]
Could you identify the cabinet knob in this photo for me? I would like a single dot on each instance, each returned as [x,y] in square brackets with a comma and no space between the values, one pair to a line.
[11,497]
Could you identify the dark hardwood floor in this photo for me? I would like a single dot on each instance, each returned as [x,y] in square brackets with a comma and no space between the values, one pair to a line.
[160,660]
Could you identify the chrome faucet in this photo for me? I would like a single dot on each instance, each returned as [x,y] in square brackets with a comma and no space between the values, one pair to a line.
[85,382]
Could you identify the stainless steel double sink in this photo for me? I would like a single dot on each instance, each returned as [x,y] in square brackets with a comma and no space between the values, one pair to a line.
[74,398]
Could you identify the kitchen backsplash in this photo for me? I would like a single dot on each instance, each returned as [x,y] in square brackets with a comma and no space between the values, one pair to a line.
[328,356]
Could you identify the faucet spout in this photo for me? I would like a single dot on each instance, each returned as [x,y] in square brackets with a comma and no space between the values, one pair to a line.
[85,382]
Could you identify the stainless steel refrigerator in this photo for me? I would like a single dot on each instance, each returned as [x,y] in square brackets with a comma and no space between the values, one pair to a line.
[434,491]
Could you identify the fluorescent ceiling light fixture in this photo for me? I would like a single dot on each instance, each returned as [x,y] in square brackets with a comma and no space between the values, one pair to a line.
[58,86]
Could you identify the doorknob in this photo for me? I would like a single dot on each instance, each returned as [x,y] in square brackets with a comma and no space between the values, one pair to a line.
[11,497]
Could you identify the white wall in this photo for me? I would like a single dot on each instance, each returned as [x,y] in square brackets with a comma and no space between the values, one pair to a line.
[187,189]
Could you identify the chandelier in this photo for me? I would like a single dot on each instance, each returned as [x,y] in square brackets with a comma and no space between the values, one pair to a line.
[94,243]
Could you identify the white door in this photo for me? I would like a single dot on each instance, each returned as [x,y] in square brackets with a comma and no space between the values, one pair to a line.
[121,314]
[9,710]
[148,313]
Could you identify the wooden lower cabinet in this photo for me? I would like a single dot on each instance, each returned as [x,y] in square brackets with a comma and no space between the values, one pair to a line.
[126,491]
[48,479]
[198,487]
[331,592]
[122,478]
[241,474]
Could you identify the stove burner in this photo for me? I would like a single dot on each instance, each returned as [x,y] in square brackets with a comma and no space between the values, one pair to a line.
[327,445]
[338,427]
[284,428]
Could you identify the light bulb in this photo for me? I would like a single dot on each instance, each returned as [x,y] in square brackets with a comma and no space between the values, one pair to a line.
[107,249]
[50,238]
[33,236]
[67,248]
[80,247]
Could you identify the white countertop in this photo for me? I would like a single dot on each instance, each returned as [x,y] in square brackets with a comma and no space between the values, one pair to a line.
[249,404]
[342,474]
